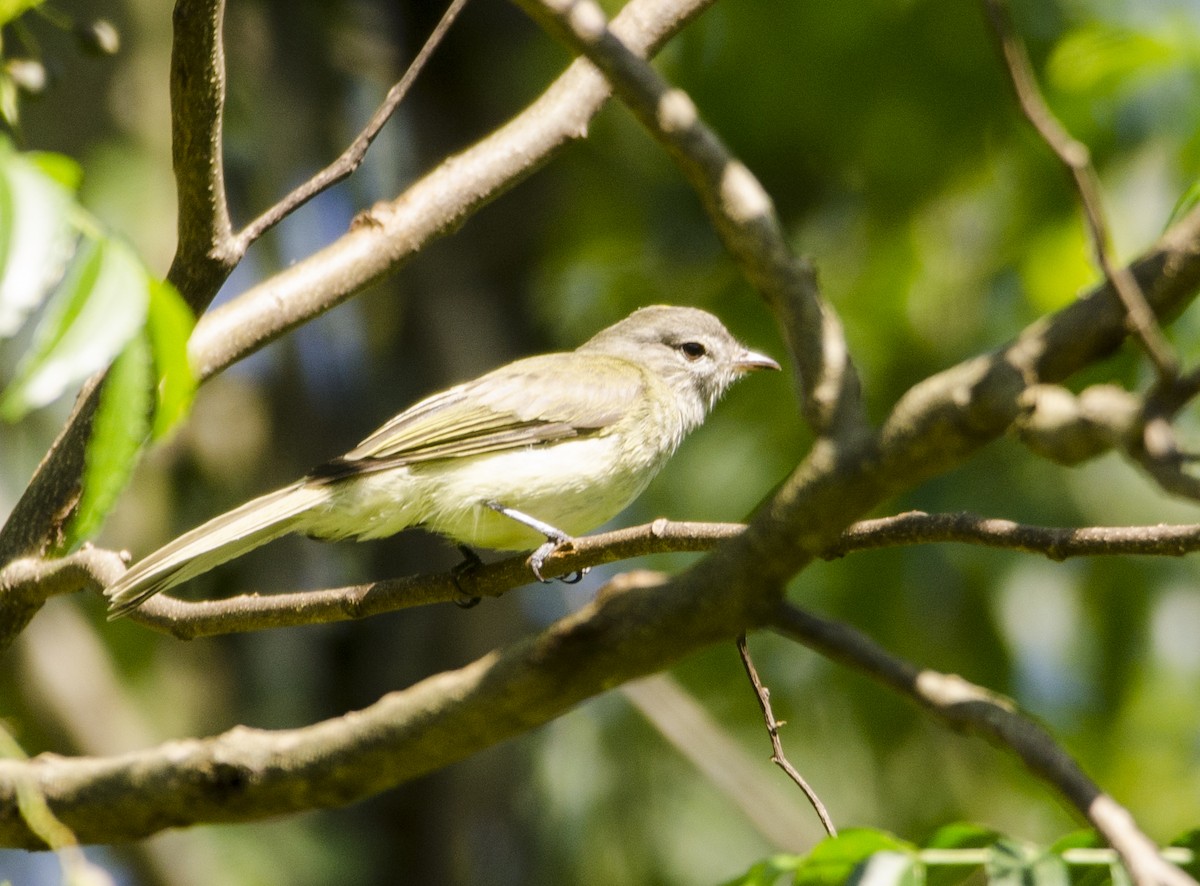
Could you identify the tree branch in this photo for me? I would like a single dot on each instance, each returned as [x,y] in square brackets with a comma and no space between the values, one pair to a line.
[639,623]
[206,252]
[963,705]
[250,612]
[917,527]
[33,581]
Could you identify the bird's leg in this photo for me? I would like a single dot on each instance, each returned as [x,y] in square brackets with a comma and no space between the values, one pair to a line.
[554,538]
[470,563]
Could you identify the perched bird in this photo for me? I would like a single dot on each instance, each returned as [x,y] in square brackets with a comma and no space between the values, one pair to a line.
[533,452]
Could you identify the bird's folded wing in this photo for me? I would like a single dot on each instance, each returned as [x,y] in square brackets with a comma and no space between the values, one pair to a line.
[531,402]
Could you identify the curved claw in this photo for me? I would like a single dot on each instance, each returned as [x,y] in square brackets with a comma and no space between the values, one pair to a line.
[538,559]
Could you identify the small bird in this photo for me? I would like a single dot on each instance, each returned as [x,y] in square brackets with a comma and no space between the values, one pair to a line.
[533,452]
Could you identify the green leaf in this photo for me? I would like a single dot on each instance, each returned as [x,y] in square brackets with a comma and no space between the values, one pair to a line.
[962,835]
[1019,864]
[835,860]
[36,237]
[889,868]
[63,169]
[768,871]
[1101,58]
[119,428]
[11,9]
[99,306]
[169,324]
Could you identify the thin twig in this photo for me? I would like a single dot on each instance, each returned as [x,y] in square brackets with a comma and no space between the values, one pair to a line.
[1077,159]
[189,620]
[1056,543]
[964,705]
[351,158]
[773,725]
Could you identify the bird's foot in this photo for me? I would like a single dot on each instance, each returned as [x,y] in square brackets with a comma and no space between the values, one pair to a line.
[469,564]
[555,538]
[538,559]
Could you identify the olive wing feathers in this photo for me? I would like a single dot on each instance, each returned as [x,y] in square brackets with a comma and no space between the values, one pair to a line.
[531,402]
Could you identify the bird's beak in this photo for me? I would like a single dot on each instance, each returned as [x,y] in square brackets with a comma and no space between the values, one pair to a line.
[750,361]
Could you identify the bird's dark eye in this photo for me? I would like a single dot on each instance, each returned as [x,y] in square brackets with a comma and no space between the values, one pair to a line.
[693,350]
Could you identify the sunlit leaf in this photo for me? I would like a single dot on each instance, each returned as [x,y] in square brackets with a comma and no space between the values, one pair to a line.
[168,325]
[63,169]
[99,306]
[836,859]
[36,237]
[889,868]
[119,429]
[1103,58]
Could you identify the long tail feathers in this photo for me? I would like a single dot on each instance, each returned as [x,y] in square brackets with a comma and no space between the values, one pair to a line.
[222,538]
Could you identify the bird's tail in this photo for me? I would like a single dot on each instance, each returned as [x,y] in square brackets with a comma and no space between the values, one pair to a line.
[221,538]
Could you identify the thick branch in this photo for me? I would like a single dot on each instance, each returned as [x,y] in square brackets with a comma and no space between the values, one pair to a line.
[638,624]
[205,254]
[963,705]
[33,581]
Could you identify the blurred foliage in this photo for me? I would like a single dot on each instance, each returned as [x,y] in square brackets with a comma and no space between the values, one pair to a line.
[73,298]
[940,225]
[956,854]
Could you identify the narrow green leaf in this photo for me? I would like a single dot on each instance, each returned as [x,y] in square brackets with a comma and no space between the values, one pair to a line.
[36,238]
[119,428]
[1186,202]
[169,324]
[99,306]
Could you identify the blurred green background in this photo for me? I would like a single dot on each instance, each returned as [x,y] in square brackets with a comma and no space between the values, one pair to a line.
[940,225]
